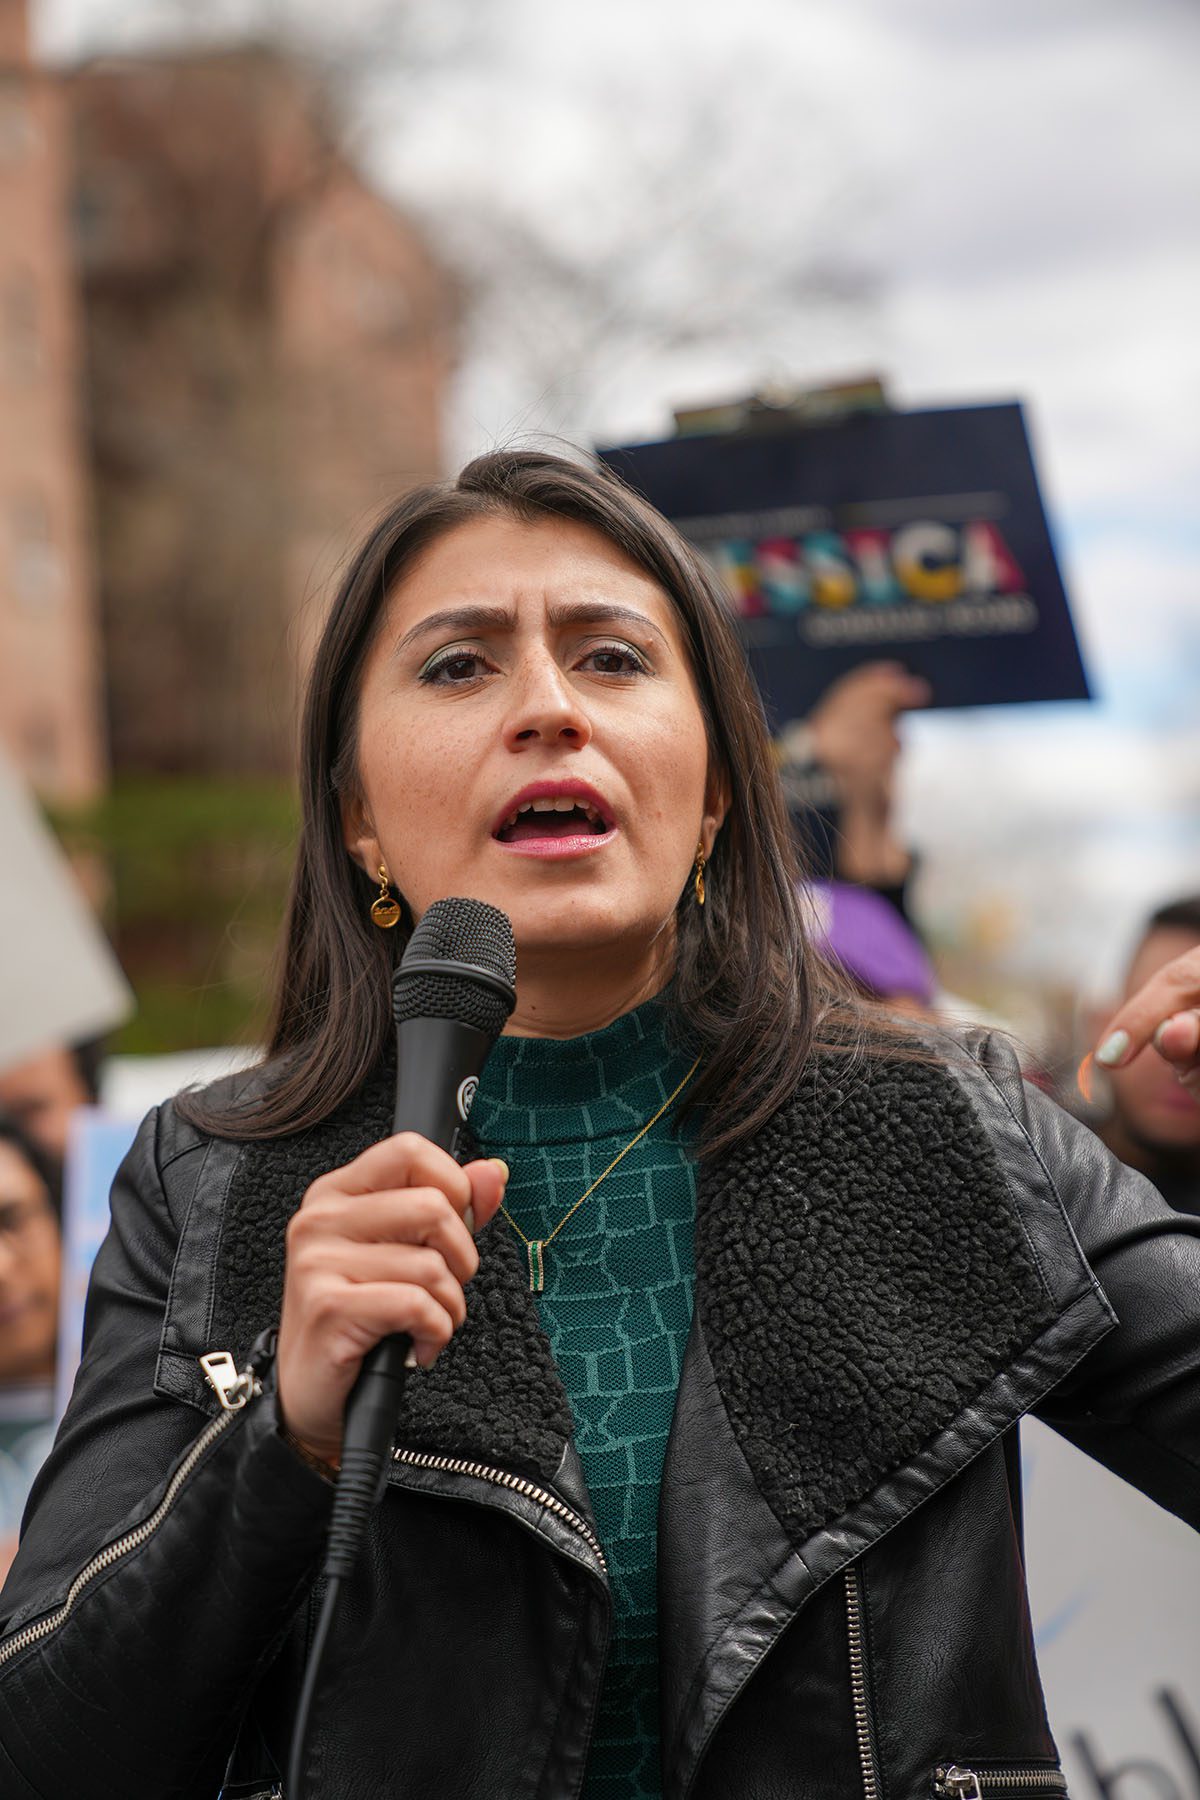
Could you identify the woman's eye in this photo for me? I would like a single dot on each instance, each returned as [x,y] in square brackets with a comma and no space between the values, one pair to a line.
[616,659]
[454,667]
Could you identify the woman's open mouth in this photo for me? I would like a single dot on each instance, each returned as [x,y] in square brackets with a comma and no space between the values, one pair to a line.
[561,817]
[555,825]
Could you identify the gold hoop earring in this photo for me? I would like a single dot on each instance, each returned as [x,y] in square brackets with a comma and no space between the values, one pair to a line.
[385,908]
[698,884]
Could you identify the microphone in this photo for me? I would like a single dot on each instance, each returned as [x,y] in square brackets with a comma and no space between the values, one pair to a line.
[451,996]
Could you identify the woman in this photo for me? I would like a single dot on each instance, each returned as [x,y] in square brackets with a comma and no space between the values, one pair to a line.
[773,1551]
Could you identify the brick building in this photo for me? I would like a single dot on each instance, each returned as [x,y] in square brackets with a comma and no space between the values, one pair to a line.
[50,671]
[267,346]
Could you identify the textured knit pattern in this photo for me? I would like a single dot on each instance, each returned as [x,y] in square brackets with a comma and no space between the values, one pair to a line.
[616,1307]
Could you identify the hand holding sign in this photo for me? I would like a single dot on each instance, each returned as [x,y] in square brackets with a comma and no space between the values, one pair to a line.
[853,734]
[853,726]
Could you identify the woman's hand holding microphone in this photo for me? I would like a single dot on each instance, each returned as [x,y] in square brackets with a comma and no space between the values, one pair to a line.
[384,1245]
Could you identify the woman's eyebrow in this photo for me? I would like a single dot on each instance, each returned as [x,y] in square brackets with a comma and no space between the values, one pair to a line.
[464,620]
[475,619]
[599,612]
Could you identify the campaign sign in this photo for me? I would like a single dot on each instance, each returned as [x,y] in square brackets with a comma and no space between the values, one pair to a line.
[916,537]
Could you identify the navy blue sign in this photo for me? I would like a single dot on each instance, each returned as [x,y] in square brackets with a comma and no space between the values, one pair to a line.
[915,537]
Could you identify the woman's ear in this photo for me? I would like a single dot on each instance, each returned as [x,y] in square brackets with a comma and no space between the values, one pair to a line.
[358,835]
[716,805]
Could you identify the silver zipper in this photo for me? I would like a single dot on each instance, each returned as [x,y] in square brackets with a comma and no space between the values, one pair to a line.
[454,1465]
[955,1783]
[233,1396]
[858,1685]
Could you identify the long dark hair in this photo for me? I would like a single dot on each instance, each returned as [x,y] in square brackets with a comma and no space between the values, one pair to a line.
[747,994]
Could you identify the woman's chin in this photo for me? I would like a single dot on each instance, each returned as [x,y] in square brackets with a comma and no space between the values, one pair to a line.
[583,924]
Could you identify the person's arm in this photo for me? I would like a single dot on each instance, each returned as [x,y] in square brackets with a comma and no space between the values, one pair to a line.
[134,1681]
[1133,1402]
[851,738]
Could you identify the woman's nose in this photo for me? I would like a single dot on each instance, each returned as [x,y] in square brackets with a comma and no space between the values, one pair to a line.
[545,708]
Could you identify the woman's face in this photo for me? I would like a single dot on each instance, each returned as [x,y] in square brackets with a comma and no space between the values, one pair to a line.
[30,1251]
[530,735]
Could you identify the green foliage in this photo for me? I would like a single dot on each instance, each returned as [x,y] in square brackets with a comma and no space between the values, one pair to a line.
[196,873]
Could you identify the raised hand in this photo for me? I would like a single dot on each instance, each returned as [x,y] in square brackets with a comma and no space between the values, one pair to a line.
[1165,1013]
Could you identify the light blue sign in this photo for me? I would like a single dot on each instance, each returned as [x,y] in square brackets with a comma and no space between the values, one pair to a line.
[98,1144]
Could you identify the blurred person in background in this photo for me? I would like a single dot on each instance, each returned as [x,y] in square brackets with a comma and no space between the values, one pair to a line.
[1153,1123]
[858,929]
[43,1091]
[30,1259]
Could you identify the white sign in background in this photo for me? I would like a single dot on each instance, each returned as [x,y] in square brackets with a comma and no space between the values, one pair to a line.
[1114,1583]
[59,981]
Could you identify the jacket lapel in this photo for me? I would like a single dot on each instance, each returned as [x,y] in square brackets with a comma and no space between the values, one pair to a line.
[494,1394]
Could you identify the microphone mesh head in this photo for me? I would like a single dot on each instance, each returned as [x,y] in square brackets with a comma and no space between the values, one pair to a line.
[458,933]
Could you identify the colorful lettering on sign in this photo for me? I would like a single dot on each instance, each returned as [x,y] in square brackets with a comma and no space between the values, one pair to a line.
[924,560]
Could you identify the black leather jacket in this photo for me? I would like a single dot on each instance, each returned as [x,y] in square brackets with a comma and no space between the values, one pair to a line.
[886,1279]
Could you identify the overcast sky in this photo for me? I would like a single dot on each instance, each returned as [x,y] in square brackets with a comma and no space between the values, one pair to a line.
[981,203]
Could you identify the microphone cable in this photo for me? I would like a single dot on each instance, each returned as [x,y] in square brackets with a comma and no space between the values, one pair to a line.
[360,1485]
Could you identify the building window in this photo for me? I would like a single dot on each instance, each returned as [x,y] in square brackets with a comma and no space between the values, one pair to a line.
[37,565]
[90,218]
[21,329]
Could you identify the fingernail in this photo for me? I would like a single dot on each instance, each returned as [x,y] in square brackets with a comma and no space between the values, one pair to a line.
[1113,1049]
[500,1164]
[410,1361]
[469,1218]
[1158,1035]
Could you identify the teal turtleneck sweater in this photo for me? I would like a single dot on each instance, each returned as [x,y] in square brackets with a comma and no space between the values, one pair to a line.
[616,1307]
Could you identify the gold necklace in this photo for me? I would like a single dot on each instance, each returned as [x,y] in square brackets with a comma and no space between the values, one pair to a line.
[535,1248]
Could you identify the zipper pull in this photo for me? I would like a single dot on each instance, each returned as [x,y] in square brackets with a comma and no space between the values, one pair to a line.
[233,1387]
[958,1784]
[262,1352]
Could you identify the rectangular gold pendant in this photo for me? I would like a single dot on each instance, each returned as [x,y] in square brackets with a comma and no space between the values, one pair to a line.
[537,1268]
